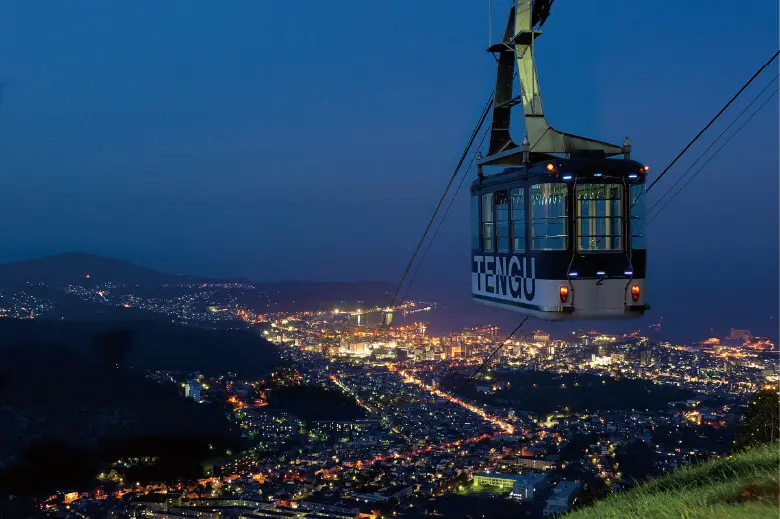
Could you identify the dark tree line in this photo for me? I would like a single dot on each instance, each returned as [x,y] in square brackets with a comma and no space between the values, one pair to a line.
[112,347]
[761,421]
[60,381]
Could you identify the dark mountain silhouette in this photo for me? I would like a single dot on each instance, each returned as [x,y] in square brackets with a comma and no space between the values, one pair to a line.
[90,270]
[74,267]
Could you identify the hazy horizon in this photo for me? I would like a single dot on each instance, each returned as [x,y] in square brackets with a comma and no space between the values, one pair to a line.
[223,149]
[682,321]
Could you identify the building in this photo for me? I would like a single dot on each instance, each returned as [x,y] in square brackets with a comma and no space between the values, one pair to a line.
[562,497]
[295,511]
[535,463]
[329,510]
[740,335]
[496,480]
[192,390]
[528,486]
[454,351]
[618,357]
[335,426]
[386,495]
[541,337]
[600,361]
[270,425]
[244,509]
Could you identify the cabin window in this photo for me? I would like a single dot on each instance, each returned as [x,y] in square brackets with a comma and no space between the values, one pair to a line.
[501,199]
[599,217]
[487,222]
[518,219]
[549,212]
[638,216]
[475,222]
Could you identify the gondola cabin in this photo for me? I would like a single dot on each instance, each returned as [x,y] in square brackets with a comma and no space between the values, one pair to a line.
[557,233]
[561,239]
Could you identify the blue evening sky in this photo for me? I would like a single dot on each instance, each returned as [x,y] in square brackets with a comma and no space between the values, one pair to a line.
[277,139]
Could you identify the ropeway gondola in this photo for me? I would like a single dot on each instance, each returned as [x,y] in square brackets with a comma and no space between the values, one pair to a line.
[558,233]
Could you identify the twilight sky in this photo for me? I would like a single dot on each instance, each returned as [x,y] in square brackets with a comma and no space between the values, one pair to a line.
[310,140]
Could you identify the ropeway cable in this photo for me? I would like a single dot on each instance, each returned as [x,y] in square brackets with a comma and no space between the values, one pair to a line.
[749,81]
[443,196]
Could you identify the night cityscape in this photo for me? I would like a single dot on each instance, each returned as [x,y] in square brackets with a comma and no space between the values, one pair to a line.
[361,420]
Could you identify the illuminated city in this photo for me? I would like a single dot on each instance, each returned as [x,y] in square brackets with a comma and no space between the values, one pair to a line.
[417,434]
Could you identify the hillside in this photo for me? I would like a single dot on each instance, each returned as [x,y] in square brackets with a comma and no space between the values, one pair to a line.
[744,486]
[44,278]
[66,411]
[99,407]
[575,391]
[155,346]
[73,267]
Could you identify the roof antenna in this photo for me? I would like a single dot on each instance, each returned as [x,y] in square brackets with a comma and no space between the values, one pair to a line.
[490,23]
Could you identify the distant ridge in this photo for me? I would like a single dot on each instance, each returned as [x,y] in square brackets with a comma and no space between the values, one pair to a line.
[74,267]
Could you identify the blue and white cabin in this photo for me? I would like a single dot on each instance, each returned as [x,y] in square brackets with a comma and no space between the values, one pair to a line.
[558,233]
[561,239]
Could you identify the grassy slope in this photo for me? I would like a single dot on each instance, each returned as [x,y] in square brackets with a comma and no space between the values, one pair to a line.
[744,486]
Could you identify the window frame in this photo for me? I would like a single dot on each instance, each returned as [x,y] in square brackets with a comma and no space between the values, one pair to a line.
[560,186]
[476,222]
[621,219]
[487,236]
[513,227]
[634,238]
[507,223]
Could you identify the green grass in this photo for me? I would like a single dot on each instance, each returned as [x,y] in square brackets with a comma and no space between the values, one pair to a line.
[743,486]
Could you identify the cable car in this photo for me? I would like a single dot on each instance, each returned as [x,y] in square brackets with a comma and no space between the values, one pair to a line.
[558,232]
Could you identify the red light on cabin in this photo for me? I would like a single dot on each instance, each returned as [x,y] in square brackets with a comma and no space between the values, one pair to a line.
[564,293]
[635,292]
